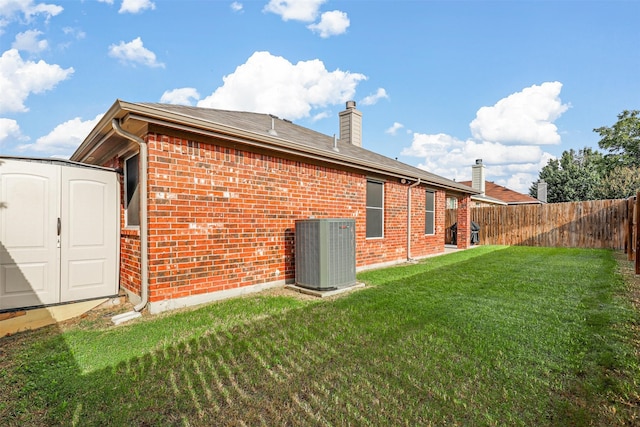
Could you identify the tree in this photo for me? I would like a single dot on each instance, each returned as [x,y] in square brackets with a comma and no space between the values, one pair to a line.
[620,183]
[588,174]
[622,140]
[576,176]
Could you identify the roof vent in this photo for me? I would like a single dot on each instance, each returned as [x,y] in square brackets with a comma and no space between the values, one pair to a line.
[272,131]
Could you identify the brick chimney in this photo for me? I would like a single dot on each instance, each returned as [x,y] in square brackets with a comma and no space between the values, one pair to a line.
[351,125]
[477,176]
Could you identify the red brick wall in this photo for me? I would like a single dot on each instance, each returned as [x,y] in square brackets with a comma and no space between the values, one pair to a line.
[129,242]
[463,233]
[222,218]
[422,244]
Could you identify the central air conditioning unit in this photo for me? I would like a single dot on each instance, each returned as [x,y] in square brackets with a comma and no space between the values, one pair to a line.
[325,253]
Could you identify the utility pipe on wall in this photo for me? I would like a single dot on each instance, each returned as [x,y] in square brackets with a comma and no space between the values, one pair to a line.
[144,231]
[409,218]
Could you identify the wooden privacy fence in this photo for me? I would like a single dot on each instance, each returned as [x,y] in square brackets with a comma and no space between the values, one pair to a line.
[592,224]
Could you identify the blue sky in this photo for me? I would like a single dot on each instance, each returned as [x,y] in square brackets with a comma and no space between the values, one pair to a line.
[439,83]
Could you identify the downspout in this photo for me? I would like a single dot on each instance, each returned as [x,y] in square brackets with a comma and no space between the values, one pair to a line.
[409,218]
[144,229]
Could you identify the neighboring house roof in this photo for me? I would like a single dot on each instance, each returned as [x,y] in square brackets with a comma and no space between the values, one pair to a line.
[489,200]
[253,129]
[503,194]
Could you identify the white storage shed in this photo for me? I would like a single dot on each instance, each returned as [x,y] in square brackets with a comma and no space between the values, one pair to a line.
[59,232]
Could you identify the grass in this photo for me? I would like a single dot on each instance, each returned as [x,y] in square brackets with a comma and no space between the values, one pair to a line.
[490,336]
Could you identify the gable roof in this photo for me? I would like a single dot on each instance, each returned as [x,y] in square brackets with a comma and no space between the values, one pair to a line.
[504,194]
[253,129]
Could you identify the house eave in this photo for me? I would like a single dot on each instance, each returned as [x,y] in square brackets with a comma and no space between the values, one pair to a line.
[127,112]
[486,199]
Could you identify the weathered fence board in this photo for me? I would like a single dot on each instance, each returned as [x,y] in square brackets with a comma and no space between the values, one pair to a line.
[592,224]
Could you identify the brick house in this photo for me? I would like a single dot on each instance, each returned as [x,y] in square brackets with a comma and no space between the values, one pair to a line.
[210,199]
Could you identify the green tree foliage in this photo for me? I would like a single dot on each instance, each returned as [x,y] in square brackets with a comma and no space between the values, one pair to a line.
[590,175]
[576,176]
[622,140]
[620,183]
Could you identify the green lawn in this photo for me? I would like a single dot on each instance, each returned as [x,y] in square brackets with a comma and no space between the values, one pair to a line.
[489,336]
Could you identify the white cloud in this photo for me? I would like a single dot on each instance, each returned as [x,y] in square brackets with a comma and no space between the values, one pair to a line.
[28,41]
[237,6]
[524,117]
[271,84]
[106,1]
[182,96]
[394,128]
[134,52]
[297,10]
[331,24]
[453,158]
[508,137]
[64,138]
[136,6]
[19,79]
[9,129]
[372,99]
[424,145]
[321,115]
[11,10]
[74,32]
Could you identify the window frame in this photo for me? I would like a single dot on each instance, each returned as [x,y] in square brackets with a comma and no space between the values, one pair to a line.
[374,209]
[132,199]
[430,220]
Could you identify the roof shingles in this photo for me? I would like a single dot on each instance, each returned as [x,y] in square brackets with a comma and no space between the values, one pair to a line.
[260,124]
[504,194]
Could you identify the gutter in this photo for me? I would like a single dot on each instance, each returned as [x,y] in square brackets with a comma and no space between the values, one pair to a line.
[184,122]
[418,182]
[144,228]
[204,127]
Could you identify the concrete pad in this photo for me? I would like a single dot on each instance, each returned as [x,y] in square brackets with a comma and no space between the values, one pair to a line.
[125,317]
[39,317]
[324,294]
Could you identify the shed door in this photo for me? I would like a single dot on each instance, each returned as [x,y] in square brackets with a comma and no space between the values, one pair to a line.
[58,233]
[89,234]
[29,259]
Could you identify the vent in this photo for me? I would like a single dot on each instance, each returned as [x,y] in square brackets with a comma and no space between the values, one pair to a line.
[325,253]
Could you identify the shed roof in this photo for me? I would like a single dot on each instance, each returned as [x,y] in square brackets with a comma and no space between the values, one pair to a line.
[255,129]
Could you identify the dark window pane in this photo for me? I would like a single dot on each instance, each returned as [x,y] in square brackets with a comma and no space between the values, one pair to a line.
[374,222]
[430,207]
[374,194]
[429,223]
[431,201]
[132,193]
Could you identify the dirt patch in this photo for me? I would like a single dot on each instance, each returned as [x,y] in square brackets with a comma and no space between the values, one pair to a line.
[281,291]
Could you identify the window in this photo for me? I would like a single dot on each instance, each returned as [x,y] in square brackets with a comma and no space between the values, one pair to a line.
[430,213]
[375,210]
[132,191]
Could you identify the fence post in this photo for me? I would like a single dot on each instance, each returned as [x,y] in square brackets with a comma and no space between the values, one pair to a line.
[637,233]
[629,240]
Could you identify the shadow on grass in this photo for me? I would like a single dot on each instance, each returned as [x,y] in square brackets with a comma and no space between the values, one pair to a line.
[411,351]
